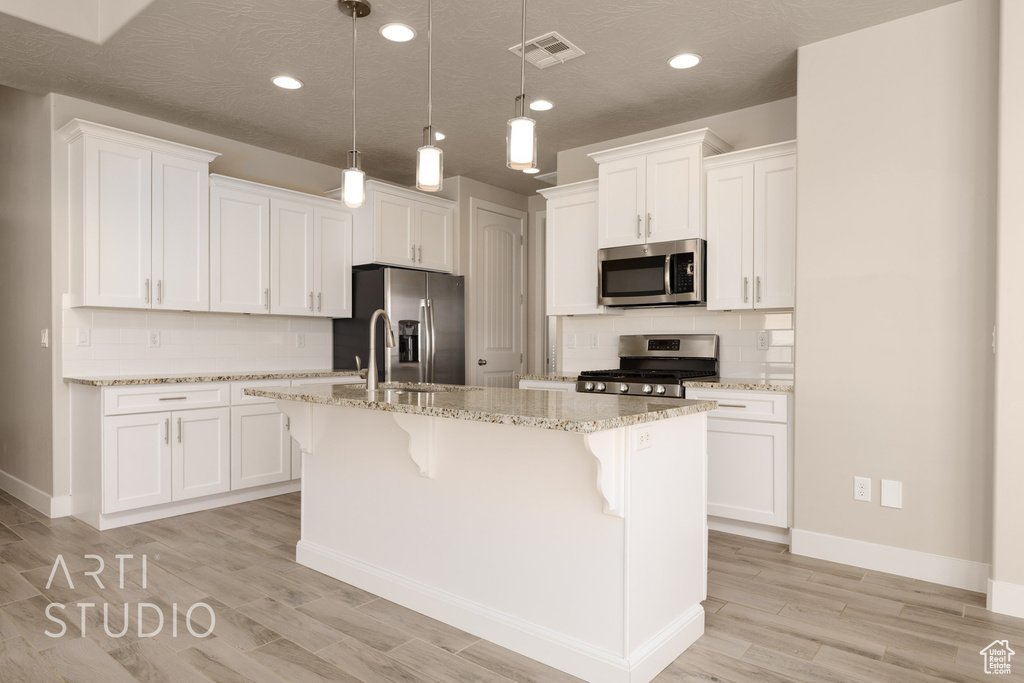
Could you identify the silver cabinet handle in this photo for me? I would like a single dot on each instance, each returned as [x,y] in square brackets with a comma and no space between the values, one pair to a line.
[746,289]
[412,248]
[639,232]
[167,430]
[420,250]
[319,301]
[288,423]
[266,298]
[481,361]
[757,284]
[179,430]
[311,301]
[172,398]
[649,219]
[147,290]
[729,405]
[159,291]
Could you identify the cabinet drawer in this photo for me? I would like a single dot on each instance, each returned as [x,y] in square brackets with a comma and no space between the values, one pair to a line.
[745,405]
[152,398]
[238,397]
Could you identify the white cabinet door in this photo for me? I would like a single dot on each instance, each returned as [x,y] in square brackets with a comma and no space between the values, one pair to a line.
[181,234]
[730,229]
[774,232]
[623,196]
[571,258]
[239,251]
[673,192]
[332,266]
[118,224]
[291,258]
[260,446]
[136,461]
[394,239]
[434,233]
[748,471]
[200,452]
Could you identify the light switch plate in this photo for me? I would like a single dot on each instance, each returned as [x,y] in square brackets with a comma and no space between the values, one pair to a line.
[892,493]
[570,341]
[83,336]
[595,340]
[300,340]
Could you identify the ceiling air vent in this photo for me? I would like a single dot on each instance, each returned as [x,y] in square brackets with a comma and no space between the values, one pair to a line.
[547,50]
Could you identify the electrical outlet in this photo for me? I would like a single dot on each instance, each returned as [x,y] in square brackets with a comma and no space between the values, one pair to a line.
[83,336]
[762,340]
[570,341]
[862,488]
[892,494]
[595,340]
[153,339]
[44,338]
[643,439]
[300,340]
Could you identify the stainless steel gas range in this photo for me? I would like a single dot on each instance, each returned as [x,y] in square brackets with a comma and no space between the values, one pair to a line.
[655,365]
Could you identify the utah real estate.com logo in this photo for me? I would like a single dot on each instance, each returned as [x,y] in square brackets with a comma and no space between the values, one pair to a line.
[997,657]
[142,633]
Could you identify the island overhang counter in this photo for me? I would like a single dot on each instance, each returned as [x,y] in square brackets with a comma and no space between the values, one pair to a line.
[566,527]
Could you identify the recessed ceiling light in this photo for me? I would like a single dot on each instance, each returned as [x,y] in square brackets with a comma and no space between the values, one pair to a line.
[397,33]
[684,61]
[541,105]
[439,136]
[531,171]
[287,82]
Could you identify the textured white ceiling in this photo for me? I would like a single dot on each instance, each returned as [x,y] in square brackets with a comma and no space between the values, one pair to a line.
[207,64]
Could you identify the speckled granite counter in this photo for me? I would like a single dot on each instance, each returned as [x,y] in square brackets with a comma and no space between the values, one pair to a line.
[116,381]
[547,378]
[569,412]
[743,384]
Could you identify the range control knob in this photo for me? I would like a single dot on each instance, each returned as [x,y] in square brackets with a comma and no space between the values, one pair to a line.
[589,386]
[660,389]
[623,388]
[600,386]
[647,388]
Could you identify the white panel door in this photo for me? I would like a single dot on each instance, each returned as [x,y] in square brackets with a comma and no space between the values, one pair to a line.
[622,197]
[394,241]
[497,331]
[748,471]
[260,446]
[730,229]
[118,224]
[136,461]
[200,452]
[434,233]
[239,251]
[332,262]
[181,234]
[291,258]
[775,232]
[673,192]
[571,259]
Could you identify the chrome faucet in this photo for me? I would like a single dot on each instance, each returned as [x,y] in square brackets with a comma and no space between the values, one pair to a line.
[389,341]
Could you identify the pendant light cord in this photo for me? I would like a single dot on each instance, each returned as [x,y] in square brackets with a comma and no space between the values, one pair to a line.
[353,79]
[522,76]
[430,69]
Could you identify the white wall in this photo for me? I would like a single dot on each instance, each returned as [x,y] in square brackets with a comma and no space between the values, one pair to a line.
[743,129]
[895,280]
[25,366]
[1006,593]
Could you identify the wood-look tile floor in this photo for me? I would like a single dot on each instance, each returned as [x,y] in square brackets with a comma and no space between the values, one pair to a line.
[771,616]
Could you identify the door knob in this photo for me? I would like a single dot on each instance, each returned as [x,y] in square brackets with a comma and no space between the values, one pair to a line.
[481,361]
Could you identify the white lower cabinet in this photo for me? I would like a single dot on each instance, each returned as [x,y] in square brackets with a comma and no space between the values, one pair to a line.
[749,456]
[260,446]
[200,453]
[136,461]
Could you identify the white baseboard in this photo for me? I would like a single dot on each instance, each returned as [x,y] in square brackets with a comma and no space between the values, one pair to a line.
[1006,598]
[51,506]
[749,529]
[530,640]
[948,571]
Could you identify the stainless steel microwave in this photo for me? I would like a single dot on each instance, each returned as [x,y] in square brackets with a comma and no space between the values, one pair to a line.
[658,274]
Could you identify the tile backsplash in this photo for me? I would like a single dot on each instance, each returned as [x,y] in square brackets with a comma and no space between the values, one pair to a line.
[738,354]
[191,342]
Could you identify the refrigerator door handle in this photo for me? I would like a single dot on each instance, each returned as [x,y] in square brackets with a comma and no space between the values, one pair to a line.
[433,339]
[426,340]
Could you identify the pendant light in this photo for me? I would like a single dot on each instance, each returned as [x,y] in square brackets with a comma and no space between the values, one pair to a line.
[521,136]
[353,180]
[429,157]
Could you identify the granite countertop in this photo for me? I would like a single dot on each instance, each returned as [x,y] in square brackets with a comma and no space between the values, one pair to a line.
[118,381]
[562,411]
[742,384]
[547,378]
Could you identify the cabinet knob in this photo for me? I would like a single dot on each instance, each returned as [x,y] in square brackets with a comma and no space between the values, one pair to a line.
[481,361]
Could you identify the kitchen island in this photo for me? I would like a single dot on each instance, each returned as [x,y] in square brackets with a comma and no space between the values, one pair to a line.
[566,527]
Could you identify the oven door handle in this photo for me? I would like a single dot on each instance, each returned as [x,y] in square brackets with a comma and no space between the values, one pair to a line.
[668,274]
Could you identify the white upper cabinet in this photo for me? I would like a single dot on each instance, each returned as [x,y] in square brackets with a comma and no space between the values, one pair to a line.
[651,191]
[138,212]
[571,249]
[400,227]
[278,251]
[751,228]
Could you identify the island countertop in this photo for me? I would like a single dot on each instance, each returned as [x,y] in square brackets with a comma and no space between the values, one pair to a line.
[563,411]
[189,378]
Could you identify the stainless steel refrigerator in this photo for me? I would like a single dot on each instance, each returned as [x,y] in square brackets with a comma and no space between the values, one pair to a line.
[428,317]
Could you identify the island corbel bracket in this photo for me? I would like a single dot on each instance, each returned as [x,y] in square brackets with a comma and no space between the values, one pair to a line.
[609,448]
[421,441]
[300,423]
